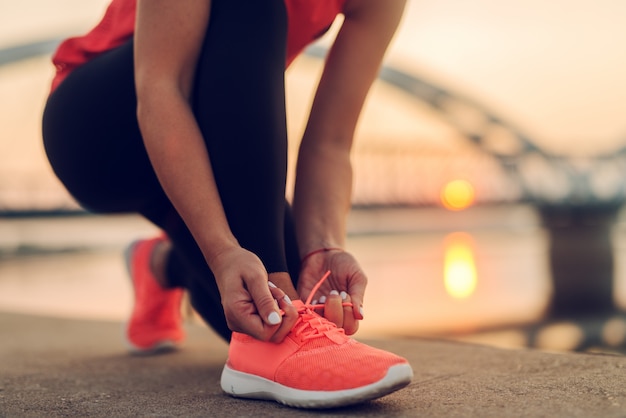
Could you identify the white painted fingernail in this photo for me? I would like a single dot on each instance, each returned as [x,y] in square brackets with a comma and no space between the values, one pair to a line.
[322,299]
[272,285]
[334,292]
[274,318]
[314,302]
[287,299]
[361,312]
[343,295]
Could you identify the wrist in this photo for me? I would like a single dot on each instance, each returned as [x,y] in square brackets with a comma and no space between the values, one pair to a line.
[216,250]
[320,250]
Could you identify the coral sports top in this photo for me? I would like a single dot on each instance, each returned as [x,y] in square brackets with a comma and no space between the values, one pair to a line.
[308,20]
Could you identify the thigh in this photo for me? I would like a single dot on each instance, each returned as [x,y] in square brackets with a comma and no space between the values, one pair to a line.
[92,138]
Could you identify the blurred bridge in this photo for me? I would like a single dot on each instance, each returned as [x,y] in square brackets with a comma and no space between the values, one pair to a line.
[536,176]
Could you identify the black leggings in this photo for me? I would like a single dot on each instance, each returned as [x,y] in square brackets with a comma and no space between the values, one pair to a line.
[92,140]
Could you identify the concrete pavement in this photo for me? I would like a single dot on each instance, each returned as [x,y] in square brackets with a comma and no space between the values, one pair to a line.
[66,367]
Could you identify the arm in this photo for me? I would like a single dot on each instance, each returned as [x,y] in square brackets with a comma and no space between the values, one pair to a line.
[324,174]
[165,62]
[323,188]
[164,71]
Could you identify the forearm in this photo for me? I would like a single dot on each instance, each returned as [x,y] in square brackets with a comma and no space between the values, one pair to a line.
[180,159]
[323,189]
[322,195]
[165,63]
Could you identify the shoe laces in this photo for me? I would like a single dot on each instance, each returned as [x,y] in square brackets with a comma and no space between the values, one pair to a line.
[312,325]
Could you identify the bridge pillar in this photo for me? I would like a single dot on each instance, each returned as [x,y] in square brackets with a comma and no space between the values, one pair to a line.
[581,259]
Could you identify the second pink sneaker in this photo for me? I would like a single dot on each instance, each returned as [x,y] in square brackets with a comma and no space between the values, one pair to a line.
[155,324]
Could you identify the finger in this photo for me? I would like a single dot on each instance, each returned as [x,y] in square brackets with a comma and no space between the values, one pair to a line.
[246,321]
[254,326]
[275,291]
[350,323]
[357,308]
[279,296]
[289,318]
[358,283]
[333,310]
[264,301]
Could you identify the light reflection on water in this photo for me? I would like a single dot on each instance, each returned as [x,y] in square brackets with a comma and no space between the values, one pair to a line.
[459,269]
[503,278]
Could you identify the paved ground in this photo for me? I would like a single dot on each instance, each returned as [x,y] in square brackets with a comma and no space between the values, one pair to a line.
[59,367]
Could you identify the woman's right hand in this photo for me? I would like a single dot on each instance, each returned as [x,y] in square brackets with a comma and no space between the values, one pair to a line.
[251,304]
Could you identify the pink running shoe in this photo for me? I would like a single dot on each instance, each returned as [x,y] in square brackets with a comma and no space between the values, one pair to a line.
[315,366]
[155,323]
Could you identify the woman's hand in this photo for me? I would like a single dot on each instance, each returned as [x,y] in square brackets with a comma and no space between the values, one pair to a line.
[346,284]
[252,305]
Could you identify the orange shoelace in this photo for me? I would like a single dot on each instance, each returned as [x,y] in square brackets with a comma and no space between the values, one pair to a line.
[315,289]
[310,324]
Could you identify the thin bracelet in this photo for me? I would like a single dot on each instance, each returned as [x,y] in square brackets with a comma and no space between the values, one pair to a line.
[320,250]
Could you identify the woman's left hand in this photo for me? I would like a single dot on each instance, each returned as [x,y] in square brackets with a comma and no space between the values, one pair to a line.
[346,284]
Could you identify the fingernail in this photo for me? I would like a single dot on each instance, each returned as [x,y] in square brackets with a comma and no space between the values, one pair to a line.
[272,285]
[287,299]
[322,299]
[343,295]
[334,292]
[273,318]
[314,302]
[361,312]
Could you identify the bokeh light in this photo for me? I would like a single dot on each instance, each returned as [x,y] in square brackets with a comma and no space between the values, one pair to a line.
[460,275]
[457,195]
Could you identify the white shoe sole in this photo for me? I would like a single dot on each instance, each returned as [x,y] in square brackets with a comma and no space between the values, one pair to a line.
[246,385]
